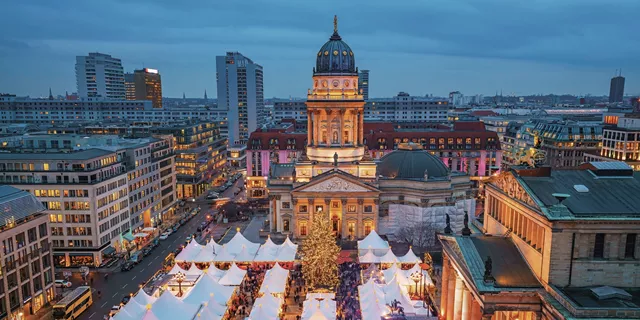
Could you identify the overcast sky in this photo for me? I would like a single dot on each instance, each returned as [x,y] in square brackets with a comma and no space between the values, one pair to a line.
[417,46]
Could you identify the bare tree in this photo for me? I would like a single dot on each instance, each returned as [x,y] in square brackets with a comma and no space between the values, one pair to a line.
[420,234]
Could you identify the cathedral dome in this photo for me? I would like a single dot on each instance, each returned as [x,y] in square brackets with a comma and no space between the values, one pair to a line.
[335,56]
[410,162]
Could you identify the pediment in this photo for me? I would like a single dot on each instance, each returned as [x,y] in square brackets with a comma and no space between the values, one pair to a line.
[335,183]
[511,186]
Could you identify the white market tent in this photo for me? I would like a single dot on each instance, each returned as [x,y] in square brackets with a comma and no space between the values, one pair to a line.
[233,276]
[319,306]
[176,269]
[266,307]
[205,255]
[388,257]
[269,251]
[373,242]
[213,246]
[214,272]
[194,271]
[238,242]
[374,298]
[410,257]
[212,310]
[143,298]
[149,315]
[244,255]
[125,314]
[425,275]
[169,307]
[189,252]
[202,290]
[275,280]
[224,256]
[369,257]
[398,274]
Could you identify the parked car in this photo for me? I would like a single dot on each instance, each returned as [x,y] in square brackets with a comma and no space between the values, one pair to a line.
[175,228]
[164,236]
[146,251]
[188,239]
[181,203]
[125,299]
[114,310]
[126,266]
[63,284]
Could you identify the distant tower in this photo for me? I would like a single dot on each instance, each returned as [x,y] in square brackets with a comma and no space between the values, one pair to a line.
[616,89]
[205,94]
[50,94]
[184,97]
[363,83]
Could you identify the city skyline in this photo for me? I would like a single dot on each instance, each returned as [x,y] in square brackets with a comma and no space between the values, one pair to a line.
[521,49]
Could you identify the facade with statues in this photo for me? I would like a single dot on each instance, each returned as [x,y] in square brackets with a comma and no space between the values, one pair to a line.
[555,245]
[336,175]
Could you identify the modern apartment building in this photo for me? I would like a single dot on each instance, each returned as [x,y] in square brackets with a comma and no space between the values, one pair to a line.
[363,83]
[100,75]
[144,84]
[26,282]
[240,91]
[98,190]
[620,142]
[201,156]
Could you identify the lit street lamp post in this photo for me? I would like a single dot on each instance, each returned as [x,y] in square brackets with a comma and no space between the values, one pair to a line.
[416,277]
[179,277]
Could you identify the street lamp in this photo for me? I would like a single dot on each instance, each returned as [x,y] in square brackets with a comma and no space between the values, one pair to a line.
[179,277]
[416,277]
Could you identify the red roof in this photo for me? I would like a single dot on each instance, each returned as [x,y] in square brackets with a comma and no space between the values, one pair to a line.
[483,113]
[468,126]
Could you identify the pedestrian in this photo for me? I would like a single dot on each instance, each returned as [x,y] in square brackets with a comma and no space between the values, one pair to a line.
[91,280]
[99,294]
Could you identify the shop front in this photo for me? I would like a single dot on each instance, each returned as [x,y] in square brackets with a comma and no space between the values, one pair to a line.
[78,259]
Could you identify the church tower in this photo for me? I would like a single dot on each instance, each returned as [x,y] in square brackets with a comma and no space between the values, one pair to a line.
[335,105]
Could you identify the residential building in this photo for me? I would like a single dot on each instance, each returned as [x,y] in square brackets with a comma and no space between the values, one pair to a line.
[407,108]
[562,142]
[100,75]
[240,91]
[237,156]
[620,142]
[27,266]
[98,190]
[553,244]
[129,86]
[616,89]
[146,84]
[290,109]
[363,83]
[201,156]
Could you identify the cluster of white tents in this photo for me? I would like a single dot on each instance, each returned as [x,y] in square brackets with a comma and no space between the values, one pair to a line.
[239,249]
[375,299]
[271,294]
[231,277]
[374,249]
[207,299]
[319,306]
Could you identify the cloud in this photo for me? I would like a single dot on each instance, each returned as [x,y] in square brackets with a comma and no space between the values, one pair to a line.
[283,35]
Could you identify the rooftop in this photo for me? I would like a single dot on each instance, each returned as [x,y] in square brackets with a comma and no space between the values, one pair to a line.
[16,205]
[584,297]
[607,195]
[509,268]
[75,155]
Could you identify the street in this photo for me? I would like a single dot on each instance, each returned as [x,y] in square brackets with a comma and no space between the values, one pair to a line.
[121,284]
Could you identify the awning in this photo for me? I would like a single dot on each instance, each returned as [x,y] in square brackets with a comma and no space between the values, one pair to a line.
[148,229]
[75,254]
[109,250]
[140,235]
[128,236]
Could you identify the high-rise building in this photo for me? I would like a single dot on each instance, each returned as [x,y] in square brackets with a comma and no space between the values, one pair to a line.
[100,75]
[363,83]
[240,91]
[144,84]
[616,90]
[129,86]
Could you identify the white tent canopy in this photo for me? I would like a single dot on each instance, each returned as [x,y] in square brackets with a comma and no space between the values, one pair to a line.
[373,242]
[224,255]
[275,280]
[233,276]
[266,307]
[169,307]
[388,257]
[215,273]
[176,268]
[189,252]
[319,306]
[410,257]
[369,257]
[236,244]
[194,271]
[214,246]
[143,298]
[245,255]
[204,288]
[205,255]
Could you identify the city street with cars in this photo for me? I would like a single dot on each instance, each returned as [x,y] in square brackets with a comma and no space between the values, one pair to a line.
[110,289]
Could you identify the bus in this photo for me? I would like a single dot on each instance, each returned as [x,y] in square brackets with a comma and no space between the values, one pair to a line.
[73,304]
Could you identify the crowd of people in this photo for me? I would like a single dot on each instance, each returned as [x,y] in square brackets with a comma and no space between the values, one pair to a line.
[248,291]
[347,305]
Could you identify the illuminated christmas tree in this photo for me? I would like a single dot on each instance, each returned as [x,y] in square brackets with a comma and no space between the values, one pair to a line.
[320,254]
